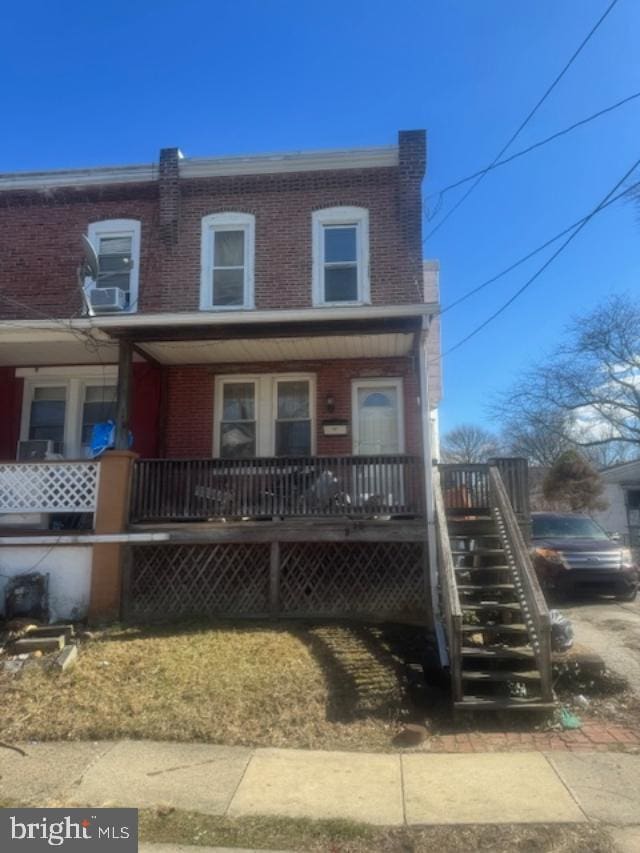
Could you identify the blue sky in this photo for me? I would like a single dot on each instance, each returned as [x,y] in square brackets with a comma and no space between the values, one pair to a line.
[92,85]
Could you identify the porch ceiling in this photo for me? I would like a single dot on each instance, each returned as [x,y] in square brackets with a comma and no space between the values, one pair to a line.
[259,349]
[38,346]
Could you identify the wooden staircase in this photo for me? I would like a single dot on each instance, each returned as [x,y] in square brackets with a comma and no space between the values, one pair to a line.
[496,622]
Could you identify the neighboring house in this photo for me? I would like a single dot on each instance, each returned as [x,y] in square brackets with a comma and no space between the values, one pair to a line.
[622,492]
[262,328]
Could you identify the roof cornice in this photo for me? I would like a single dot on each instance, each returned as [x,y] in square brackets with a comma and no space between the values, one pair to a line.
[258,164]
[78,177]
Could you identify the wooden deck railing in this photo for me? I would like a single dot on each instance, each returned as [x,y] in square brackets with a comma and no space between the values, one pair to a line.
[535,610]
[466,487]
[165,490]
[451,610]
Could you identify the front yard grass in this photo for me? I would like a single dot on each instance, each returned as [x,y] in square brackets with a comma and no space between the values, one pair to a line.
[325,686]
[340,836]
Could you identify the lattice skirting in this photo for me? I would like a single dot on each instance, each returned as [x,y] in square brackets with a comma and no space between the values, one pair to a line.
[377,580]
[198,580]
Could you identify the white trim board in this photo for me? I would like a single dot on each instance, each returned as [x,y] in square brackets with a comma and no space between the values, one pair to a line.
[208,167]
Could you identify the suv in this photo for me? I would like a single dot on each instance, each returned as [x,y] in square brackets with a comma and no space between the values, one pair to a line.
[572,551]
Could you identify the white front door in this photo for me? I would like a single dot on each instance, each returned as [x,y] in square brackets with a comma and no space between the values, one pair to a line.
[378,430]
[377,416]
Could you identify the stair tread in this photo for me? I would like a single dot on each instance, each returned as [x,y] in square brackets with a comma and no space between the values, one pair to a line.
[509,606]
[512,628]
[500,675]
[500,568]
[475,535]
[461,519]
[503,704]
[512,652]
[485,587]
[471,551]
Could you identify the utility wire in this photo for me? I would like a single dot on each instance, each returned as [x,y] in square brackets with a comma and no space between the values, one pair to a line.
[547,263]
[526,121]
[531,254]
[533,147]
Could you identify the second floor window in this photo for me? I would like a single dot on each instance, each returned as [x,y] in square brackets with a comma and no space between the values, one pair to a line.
[227,261]
[341,256]
[117,245]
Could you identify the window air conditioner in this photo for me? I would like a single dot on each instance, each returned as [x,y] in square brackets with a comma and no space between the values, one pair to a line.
[108,299]
[38,448]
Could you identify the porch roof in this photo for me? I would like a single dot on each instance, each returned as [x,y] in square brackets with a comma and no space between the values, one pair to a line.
[225,337]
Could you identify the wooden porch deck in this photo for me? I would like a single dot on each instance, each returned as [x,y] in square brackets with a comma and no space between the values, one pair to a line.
[290,530]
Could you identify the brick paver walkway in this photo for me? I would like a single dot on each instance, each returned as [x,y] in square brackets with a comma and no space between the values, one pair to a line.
[592,737]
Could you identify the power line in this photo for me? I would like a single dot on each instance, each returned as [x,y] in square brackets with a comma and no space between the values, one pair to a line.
[547,263]
[531,254]
[526,120]
[533,147]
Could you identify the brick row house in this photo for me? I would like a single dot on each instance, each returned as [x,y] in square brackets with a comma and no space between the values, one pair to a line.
[262,330]
[262,333]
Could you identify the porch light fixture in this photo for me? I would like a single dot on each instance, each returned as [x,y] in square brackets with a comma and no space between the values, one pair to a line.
[330,402]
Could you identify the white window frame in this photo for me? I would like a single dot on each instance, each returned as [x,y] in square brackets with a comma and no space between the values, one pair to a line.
[119,228]
[382,382]
[332,216]
[75,380]
[266,407]
[211,224]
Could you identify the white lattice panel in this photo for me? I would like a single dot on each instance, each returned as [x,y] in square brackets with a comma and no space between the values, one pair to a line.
[48,487]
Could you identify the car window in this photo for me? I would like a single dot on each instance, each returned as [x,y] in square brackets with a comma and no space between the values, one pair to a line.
[566,527]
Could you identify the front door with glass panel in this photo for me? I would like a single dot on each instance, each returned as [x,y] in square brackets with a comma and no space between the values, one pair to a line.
[378,431]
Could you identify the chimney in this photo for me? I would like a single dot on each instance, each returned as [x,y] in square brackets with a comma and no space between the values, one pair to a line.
[412,160]
[169,187]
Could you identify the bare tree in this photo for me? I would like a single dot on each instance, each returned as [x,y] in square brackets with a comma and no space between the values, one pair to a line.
[469,443]
[538,436]
[589,388]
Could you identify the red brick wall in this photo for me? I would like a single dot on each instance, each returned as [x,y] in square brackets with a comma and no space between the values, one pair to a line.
[40,244]
[190,392]
[40,233]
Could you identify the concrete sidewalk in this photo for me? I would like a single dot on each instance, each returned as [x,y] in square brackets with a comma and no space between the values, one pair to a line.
[380,789]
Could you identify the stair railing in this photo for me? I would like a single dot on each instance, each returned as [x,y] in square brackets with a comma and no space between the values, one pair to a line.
[450,600]
[535,611]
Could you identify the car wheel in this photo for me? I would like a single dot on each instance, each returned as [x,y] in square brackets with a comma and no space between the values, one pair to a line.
[629,595]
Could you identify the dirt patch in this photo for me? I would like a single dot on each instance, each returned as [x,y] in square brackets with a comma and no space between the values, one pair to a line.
[596,696]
